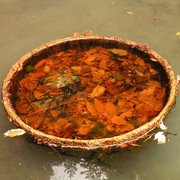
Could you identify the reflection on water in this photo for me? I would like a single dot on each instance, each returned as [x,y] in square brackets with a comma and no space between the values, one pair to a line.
[80,170]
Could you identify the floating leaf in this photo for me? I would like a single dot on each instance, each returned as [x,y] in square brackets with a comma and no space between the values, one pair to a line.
[110,109]
[91,108]
[54,113]
[97,91]
[84,129]
[38,94]
[120,52]
[118,120]
[14,132]
[128,127]
[89,60]
[99,107]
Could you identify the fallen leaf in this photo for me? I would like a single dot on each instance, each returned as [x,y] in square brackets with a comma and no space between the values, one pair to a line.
[120,52]
[89,60]
[99,106]
[91,108]
[128,127]
[118,120]
[178,34]
[110,109]
[97,91]
[84,130]
[14,132]
[77,68]
[54,113]
[130,12]
[38,94]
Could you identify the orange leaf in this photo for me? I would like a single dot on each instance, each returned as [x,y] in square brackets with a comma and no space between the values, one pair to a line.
[77,68]
[102,64]
[91,108]
[118,120]
[90,59]
[99,106]
[84,129]
[110,91]
[38,74]
[110,109]
[54,113]
[97,91]
[40,63]
[120,52]
[68,73]
[127,128]
[38,94]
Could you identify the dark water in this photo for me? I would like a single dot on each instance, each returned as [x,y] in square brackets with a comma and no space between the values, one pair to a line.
[27,24]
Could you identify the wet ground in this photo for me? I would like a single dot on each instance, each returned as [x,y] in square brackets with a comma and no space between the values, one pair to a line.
[27,24]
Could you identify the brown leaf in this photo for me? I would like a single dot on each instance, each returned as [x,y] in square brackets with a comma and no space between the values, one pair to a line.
[52,77]
[118,120]
[61,122]
[91,108]
[40,63]
[127,128]
[54,113]
[38,94]
[99,106]
[110,90]
[120,52]
[158,106]
[84,129]
[89,60]
[102,64]
[77,68]
[110,109]
[97,91]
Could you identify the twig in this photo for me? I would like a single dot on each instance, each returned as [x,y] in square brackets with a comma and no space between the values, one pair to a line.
[26,97]
[150,136]
[46,111]
[155,17]
[136,99]
[55,150]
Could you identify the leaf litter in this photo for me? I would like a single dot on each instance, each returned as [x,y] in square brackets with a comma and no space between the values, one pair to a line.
[90,94]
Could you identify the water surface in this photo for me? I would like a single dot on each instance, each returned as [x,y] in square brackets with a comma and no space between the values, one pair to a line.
[27,24]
